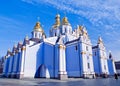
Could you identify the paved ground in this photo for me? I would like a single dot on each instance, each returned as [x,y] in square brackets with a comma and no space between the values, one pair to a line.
[54,82]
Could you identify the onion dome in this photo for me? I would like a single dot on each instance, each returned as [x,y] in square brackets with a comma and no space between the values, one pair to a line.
[65,21]
[57,21]
[38,27]
[80,28]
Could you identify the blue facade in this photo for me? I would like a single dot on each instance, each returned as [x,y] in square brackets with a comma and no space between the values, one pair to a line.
[97,67]
[110,67]
[65,53]
[7,66]
[73,62]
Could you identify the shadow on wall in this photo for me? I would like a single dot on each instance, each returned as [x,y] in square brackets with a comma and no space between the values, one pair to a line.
[42,72]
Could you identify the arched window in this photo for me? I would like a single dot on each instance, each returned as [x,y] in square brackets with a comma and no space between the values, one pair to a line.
[95,53]
[76,47]
[88,65]
[35,34]
[55,34]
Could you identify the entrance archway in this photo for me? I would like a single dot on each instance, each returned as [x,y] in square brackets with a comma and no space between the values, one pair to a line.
[42,72]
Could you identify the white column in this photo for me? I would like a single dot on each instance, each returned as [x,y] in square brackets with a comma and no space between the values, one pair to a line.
[62,63]
[106,66]
[91,64]
[21,63]
[113,63]
[102,65]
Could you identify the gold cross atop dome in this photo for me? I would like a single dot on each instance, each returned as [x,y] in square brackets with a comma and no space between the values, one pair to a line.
[38,27]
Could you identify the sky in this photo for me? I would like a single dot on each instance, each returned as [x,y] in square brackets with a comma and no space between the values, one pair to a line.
[100,17]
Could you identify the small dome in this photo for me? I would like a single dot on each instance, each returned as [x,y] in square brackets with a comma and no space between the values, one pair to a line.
[65,21]
[38,27]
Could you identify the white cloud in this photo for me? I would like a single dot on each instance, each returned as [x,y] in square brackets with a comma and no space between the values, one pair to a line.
[103,14]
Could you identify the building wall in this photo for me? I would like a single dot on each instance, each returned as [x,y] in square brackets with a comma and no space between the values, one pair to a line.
[33,58]
[87,59]
[110,67]
[15,63]
[73,62]
[96,62]
[49,58]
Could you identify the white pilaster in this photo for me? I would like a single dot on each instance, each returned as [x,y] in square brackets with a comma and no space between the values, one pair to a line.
[21,63]
[114,69]
[62,63]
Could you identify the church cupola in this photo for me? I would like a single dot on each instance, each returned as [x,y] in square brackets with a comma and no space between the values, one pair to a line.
[55,31]
[66,27]
[65,21]
[37,31]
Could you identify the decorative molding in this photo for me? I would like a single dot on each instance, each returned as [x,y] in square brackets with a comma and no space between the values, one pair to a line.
[62,46]
[23,48]
[83,52]
[90,54]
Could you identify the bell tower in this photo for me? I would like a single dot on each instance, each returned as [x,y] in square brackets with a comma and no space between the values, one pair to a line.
[38,31]
[66,27]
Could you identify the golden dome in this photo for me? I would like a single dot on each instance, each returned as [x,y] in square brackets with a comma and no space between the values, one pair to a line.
[65,21]
[80,28]
[38,27]
[57,22]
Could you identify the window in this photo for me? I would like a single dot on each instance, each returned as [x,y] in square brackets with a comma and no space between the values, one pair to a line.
[76,47]
[88,65]
[95,53]
[87,48]
[55,34]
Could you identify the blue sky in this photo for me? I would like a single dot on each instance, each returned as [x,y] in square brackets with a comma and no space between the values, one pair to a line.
[101,18]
